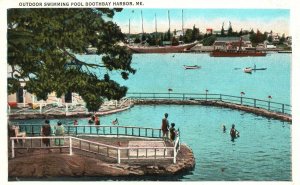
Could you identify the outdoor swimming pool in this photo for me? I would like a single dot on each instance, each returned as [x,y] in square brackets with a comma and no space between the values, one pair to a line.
[261,153]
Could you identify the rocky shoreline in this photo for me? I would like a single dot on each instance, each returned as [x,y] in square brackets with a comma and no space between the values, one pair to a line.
[51,164]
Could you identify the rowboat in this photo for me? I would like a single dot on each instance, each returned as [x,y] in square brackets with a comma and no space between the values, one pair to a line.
[248,70]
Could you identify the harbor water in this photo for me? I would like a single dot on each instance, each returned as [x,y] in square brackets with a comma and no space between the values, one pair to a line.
[263,150]
[221,75]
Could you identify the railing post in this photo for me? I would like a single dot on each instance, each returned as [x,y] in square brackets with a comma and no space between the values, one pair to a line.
[13,148]
[67,108]
[70,145]
[174,156]
[119,156]
[40,108]
[282,108]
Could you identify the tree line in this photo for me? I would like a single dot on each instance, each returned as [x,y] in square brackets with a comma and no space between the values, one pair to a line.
[194,34]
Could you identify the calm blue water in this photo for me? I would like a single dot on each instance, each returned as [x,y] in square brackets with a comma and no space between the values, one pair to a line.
[158,72]
[263,151]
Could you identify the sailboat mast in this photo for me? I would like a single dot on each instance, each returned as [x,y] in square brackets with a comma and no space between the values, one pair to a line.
[169,20]
[129,32]
[155,26]
[142,26]
[182,23]
[129,27]
[142,22]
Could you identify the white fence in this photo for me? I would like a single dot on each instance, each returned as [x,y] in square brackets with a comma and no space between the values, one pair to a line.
[115,152]
[64,108]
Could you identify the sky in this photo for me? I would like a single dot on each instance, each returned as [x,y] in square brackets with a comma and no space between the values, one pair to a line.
[277,20]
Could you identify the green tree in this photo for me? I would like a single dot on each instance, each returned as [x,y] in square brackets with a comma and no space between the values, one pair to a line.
[222,30]
[230,30]
[175,42]
[282,39]
[208,41]
[42,48]
[168,35]
[241,32]
[188,36]
[195,33]
[137,40]
[270,39]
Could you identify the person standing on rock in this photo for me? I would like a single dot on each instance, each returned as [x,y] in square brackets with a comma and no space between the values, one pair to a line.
[165,127]
[46,131]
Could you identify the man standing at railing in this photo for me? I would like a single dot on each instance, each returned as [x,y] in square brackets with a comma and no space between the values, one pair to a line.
[165,127]
[46,131]
[59,131]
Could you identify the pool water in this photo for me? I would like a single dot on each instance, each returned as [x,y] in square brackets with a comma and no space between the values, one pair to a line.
[261,153]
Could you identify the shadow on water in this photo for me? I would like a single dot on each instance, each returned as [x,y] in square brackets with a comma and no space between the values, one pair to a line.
[177,177]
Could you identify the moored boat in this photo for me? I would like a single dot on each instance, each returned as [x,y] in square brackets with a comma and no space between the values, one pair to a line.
[248,70]
[162,49]
[237,53]
[192,67]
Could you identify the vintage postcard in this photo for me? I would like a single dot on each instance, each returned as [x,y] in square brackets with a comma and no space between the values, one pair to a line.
[149,91]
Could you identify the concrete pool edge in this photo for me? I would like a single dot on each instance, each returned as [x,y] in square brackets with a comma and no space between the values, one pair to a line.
[215,103]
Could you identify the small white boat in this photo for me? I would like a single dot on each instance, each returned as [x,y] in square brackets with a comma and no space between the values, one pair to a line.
[191,67]
[248,70]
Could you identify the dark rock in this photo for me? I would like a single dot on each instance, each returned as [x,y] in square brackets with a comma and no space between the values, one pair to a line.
[56,164]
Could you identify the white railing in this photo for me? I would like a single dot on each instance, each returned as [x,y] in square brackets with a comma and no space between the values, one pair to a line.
[176,148]
[125,101]
[99,148]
